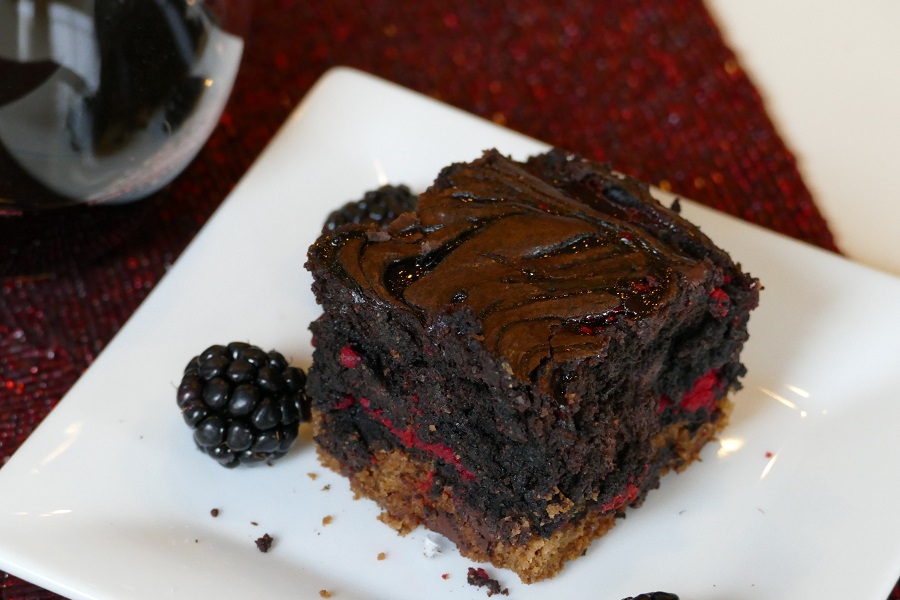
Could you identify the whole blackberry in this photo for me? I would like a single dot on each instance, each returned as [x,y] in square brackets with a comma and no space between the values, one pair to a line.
[379,206]
[653,596]
[244,405]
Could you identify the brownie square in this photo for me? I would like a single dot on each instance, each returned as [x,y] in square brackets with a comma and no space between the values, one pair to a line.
[521,358]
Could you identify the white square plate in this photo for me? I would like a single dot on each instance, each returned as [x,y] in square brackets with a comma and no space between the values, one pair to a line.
[108,499]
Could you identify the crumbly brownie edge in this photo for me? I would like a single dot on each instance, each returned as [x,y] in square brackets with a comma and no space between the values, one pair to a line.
[401,487]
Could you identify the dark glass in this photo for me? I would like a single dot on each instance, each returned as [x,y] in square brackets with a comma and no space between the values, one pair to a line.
[106,101]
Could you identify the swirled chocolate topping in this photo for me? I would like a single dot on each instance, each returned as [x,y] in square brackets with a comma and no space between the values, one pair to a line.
[545,254]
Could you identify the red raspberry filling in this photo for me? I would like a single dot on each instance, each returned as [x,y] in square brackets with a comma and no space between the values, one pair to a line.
[349,358]
[701,395]
[719,303]
[408,436]
[629,494]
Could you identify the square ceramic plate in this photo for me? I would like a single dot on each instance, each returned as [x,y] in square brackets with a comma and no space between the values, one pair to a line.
[108,499]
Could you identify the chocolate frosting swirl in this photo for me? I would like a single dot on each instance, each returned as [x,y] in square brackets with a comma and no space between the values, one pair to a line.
[545,254]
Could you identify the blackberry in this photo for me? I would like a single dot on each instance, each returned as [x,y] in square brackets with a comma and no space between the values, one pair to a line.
[379,206]
[653,596]
[244,405]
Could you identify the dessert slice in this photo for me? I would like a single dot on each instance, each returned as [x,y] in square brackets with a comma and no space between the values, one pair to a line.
[520,359]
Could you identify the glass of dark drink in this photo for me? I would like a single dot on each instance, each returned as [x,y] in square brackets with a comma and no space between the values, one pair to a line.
[106,101]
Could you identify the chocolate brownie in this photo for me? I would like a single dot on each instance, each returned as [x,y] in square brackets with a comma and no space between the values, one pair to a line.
[523,356]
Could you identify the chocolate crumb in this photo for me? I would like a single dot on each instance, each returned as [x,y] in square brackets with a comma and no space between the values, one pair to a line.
[254,523]
[214,512]
[264,543]
[479,578]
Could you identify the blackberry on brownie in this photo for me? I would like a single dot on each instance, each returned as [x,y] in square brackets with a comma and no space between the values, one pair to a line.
[521,358]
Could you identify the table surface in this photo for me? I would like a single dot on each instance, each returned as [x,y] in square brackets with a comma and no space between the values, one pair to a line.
[777,113]
[826,72]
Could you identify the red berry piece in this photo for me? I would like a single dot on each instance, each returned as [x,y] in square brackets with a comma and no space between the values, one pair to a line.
[350,359]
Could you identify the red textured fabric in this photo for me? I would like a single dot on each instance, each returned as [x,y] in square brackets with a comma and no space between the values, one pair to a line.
[647,85]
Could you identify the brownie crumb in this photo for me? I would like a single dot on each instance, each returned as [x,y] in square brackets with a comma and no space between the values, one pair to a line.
[479,578]
[382,556]
[326,520]
[214,512]
[264,543]
[653,596]
[325,593]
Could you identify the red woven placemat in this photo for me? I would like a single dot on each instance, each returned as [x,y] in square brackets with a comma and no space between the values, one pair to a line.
[645,84]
